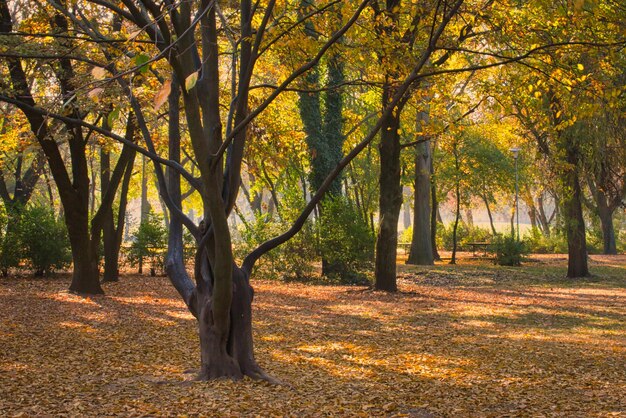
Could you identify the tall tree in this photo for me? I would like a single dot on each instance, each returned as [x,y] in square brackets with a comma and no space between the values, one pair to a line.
[323,125]
[72,182]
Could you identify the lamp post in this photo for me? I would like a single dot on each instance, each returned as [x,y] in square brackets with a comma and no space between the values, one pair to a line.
[515,152]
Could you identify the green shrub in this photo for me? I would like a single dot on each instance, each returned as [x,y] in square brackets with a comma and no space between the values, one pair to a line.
[293,259]
[43,240]
[406,235]
[538,243]
[346,240]
[620,240]
[149,244]
[10,246]
[508,251]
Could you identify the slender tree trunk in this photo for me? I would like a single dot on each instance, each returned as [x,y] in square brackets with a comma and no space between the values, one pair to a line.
[544,224]
[421,245]
[434,212]
[457,215]
[108,228]
[532,214]
[493,228]
[145,203]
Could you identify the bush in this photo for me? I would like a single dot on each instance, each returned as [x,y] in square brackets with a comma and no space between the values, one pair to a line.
[538,243]
[346,240]
[509,251]
[149,242]
[293,259]
[43,240]
[406,235]
[620,238]
[10,246]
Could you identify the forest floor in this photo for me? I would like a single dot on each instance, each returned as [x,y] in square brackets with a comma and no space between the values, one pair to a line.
[466,340]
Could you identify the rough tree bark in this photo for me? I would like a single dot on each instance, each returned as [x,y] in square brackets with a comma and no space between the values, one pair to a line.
[390,201]
[609,245]
[421,245]
[572,207]
[113,226]
[389,148]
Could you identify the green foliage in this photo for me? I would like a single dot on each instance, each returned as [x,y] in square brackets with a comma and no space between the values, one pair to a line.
[149,242]
[540,244]
[406,235]
[290,260]
[9,240]
[620,240]
[43,240]
[464,234]
[594,239]
[509,251]
[346,240]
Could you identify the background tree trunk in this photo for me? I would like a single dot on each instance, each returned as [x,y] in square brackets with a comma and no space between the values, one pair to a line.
[544,222]
[421,245]
[457,215]
[608,231]
[493,228]
[108,227]
[434,209]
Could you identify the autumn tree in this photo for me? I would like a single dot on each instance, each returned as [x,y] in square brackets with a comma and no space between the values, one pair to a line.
[203,59]
[322,117]
[71,176]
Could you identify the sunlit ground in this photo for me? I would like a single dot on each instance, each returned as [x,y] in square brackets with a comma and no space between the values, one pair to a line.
[471,339]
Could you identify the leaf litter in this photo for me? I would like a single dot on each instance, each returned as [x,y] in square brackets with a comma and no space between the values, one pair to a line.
[432,350]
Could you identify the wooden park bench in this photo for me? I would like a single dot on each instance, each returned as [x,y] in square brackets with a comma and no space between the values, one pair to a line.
[476,246]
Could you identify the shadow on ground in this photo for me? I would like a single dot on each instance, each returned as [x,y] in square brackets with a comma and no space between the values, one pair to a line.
[477,345]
